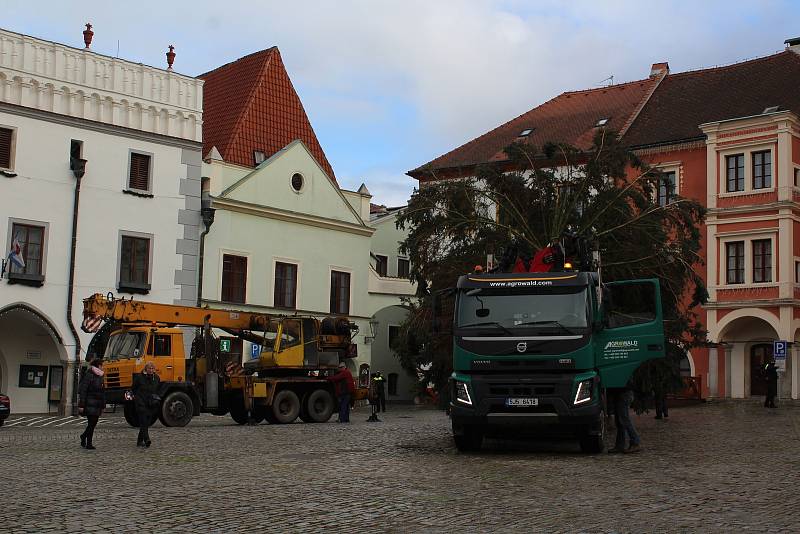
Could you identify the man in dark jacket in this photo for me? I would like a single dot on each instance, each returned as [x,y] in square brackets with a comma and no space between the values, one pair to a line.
[380,392]
[145,397]
[345,387]
[621,399]
[91,400]
[772,384]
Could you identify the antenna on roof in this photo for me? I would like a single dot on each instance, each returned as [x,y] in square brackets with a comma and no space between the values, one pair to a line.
[610,80]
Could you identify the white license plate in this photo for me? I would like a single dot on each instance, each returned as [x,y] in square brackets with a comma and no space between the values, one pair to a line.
[522,401]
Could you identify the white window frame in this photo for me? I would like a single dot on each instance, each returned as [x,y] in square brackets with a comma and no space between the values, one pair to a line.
[299,265]
[247,284]
[332,268]
[747,150]
[672,166]
[45,238]
[139,235]
[13,150]
[397,264]
[150,175]
[748,238]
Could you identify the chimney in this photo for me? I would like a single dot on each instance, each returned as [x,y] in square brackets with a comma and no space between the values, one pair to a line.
[657,69]
[793,45]
[170,57]
[87,35]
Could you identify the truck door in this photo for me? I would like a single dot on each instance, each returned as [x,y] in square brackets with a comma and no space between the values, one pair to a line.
[160,349]
[633,329]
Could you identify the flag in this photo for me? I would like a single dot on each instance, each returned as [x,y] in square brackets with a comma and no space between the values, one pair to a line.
[15,256]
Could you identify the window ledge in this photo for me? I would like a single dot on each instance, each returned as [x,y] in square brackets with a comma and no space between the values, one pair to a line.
[133,287]
[746,192]
[33,280]
[138,193]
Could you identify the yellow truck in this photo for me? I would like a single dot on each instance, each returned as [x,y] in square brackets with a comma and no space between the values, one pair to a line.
[286,381]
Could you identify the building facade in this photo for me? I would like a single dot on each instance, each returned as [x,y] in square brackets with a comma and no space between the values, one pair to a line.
[99,192]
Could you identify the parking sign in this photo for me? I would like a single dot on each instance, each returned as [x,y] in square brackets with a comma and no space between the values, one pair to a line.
[779,349]
[255,351]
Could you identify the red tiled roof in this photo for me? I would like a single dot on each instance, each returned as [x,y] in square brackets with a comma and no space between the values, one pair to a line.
[568,118]
[684,101]
[250,105]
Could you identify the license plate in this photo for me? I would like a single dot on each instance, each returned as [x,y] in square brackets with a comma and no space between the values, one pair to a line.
[522,401]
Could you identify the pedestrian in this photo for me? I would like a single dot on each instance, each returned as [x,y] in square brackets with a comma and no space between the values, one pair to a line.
[772,383]
[622,398]
[91,400]
[345,387]
[380,392]
[146,400]
[662,412]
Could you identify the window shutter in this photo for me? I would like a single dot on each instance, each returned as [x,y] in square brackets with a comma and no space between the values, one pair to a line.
[139,172]
[5,147]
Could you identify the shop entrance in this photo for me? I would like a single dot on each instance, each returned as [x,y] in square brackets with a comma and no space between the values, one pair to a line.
[759,356]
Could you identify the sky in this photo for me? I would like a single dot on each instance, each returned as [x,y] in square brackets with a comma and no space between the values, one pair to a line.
[390,85]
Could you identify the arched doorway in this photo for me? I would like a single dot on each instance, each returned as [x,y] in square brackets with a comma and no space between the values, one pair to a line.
[760,354]
[747,336]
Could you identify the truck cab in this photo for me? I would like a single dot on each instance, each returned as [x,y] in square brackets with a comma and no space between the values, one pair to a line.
[534,352]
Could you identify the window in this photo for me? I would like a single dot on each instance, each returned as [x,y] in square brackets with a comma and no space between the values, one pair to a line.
[526,132]
[797,272]
[162,345]
[6,148]
[340,292]
[26,252]
[382,264]
[297,182]
[259,157]
[392,383]
[735,172]
[762,169]
[134,264]
[290,334]
[601,122]
[234,278]
[285,285]
[797,177]
[630,303]
[666,188]
[403,267]
[734,254]
[762,260]
[394,334]
[139,172]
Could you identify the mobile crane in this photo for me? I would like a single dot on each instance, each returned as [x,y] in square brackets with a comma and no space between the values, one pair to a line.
[285,382]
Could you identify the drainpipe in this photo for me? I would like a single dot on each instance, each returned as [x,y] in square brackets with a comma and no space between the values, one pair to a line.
[78,167]
[207,214]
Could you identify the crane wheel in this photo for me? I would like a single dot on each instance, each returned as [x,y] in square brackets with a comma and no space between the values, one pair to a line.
[176,409]
[319,406]
[285,406]
[239,414]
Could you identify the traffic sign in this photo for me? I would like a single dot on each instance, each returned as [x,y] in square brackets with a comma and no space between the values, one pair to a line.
[779,349]
[224,345]
[255,351]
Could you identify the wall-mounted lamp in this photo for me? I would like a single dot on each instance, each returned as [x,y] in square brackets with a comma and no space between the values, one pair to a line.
[373,329]
[77,166]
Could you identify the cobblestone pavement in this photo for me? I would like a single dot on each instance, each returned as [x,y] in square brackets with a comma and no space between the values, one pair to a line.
[722,467]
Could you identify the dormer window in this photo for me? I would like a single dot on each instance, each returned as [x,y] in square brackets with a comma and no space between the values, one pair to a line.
[526,132]
[259,157]
[602,122]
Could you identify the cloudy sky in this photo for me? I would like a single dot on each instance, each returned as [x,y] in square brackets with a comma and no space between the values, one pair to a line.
[389,85]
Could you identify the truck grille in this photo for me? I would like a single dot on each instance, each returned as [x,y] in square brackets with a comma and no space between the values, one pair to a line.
[112,380]
[522,390]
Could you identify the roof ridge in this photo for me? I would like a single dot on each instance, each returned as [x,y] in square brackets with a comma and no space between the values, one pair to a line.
[605,87]
[645,99]
[253,89]
[735,64]
[270,49]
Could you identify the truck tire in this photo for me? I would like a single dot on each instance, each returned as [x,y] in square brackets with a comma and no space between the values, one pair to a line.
[238,413]
[595,444]
[318,406]
[470,439]
[176,410]
[132,417]
[285,406]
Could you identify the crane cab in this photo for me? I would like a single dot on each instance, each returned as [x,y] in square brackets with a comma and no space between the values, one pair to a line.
[132,346]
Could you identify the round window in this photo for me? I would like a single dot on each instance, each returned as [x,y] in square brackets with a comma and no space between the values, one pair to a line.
[297,182]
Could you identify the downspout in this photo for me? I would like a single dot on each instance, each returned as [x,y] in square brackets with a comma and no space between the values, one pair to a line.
[207,214]
[78,167]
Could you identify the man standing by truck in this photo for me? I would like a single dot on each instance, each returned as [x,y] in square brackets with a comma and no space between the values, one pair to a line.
[622,398]
[345,387]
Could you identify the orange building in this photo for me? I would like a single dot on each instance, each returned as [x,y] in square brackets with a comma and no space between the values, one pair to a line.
[728,137]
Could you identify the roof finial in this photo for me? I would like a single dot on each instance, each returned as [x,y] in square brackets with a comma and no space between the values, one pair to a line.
[170,57]
[87,35]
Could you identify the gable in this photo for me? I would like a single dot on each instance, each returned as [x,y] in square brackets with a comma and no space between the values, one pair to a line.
[270,185]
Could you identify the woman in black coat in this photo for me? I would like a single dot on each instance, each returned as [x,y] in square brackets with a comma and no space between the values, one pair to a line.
[91,400]
[146,400]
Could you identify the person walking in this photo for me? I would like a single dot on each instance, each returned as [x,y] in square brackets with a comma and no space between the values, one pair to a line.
[771,372]
[622,399]
[146,400]
[91,400]
[345,387]
[380,392]
[662,412]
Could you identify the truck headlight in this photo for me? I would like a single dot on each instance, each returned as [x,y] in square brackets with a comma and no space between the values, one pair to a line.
[462,393]
[584,393]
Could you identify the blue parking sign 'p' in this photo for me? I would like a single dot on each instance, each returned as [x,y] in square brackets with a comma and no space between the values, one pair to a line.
[779,349]
[255,350]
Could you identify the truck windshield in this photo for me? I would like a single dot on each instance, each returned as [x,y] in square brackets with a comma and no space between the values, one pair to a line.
[125,345]
[563,310]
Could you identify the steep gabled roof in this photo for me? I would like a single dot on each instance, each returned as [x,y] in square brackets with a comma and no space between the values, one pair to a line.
[685,100]
[250,105]
[568,118]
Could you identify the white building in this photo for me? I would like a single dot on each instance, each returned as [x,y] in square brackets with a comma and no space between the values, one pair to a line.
[137,130]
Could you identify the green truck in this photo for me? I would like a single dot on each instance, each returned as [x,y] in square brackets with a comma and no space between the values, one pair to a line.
[533,353]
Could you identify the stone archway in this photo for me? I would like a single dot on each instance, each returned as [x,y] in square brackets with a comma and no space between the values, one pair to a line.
[32,359]
[744,335]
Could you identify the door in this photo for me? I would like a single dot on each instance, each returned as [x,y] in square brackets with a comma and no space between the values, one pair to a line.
[160,348]
[633,329]
[759,356]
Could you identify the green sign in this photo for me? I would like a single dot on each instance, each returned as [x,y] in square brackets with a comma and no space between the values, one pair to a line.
[224,345]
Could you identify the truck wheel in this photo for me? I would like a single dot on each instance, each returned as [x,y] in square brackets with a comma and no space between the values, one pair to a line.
[469,440]
[176,409]
[131,417]
[594,444]
[318,406]
[238,414]
[304,416]
[285,406]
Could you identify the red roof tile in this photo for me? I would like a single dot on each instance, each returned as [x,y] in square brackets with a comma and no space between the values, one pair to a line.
[250,105]
[569,118]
